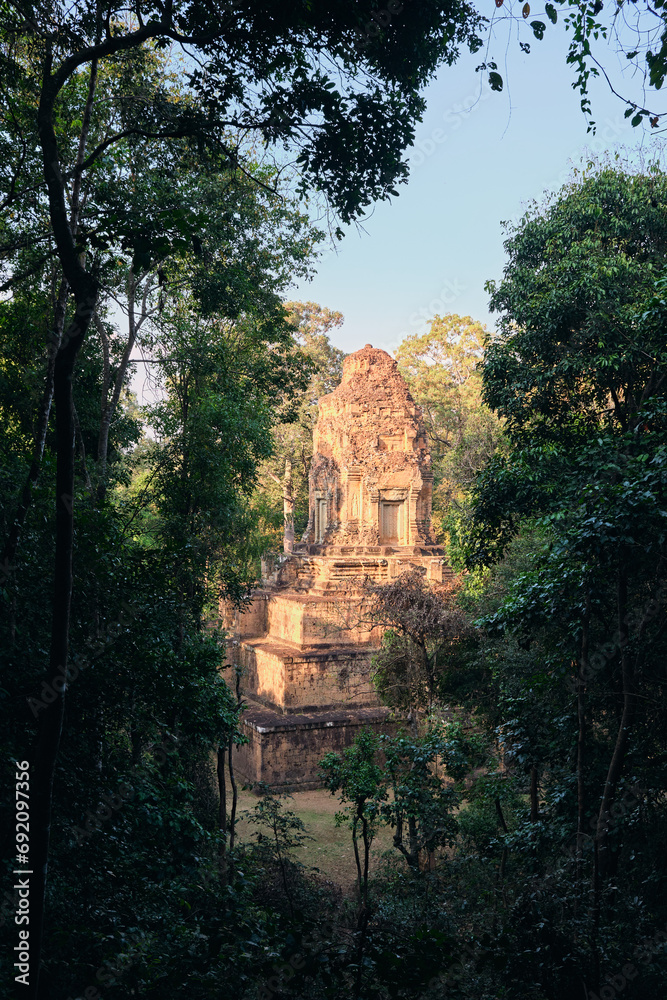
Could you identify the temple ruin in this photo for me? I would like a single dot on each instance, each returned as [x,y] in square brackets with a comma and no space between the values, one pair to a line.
[306,664]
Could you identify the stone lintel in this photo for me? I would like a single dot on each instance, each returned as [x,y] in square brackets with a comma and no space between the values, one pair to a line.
[320,652]
[267,721]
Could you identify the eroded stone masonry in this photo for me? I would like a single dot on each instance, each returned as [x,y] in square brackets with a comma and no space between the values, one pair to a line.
[305,656]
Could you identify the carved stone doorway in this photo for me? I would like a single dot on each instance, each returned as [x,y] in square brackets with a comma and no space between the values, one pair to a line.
[320,519]
[391,522]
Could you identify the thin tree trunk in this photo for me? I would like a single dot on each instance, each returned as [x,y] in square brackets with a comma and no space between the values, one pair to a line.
[288,508]
[232,781]
[534,795]
[367,851]
[413,838]
[44,412]
[222,789]
[283,870]
[11,544]
[109,406]
[356,857]
[503,857]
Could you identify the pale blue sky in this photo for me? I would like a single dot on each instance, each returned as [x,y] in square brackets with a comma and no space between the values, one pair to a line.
[432,249]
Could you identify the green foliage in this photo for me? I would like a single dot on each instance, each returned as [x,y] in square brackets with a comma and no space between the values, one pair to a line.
[423,630]
[286,470]
[287,831]
[441,368]
[357,776]
[574,644]
[421,804]
[573,355]
[547,865]
[134,876]
[493,800]
[214,426]
[281,832]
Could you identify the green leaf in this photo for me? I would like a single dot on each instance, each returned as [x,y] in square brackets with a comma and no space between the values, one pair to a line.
[539,27]
[551,12]
[495,81]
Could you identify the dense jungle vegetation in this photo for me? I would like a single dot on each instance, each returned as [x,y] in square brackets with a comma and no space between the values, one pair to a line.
[143,224]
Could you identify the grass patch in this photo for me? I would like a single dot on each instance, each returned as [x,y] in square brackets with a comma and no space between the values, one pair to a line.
[331,849]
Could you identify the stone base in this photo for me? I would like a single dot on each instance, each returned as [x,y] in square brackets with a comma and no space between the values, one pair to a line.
[332,569]
[288,679]
[284,751]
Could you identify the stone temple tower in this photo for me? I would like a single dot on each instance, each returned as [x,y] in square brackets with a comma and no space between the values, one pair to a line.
[370,478]
[306,666]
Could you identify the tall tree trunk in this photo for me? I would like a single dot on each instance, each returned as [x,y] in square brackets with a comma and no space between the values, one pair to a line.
[222,812]
[362,919]
[581,736]
[618,756]
[60,308]
[51,717]
[499,887]
[232,778]
[85,289]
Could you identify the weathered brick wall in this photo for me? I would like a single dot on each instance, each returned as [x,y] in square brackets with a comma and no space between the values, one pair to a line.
[291,681]
[246,622]
[263,673]
[286,756]
[253,620]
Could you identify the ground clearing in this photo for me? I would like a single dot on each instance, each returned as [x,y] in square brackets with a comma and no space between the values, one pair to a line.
[331,849]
